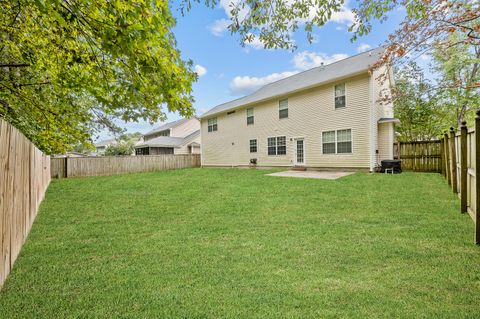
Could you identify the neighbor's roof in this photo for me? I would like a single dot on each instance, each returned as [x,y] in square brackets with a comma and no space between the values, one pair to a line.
[106,142]
[323,74]
[167,126]
[191,136]
[168,141]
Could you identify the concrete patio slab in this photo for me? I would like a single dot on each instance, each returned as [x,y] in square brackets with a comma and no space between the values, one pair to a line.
[312,174]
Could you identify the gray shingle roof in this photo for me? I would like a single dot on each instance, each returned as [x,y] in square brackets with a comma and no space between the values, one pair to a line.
[320,75]
[191,136]
[168,141]
[167,126]
[105,142]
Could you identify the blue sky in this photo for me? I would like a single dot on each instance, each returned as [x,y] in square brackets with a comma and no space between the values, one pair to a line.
[227,70]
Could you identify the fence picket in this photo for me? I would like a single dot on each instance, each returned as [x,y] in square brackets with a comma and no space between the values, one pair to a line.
[111,165]
[456,157]
[420,156]
[453,160]
[24,179]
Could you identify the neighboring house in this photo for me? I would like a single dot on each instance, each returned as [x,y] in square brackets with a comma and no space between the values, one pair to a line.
[102,145]
[179,137]
[326,117]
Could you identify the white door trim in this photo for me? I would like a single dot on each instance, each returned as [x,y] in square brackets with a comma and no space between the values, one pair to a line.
[295,162]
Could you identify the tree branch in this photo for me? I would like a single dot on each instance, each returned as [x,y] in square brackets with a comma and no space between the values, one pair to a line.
[14,65]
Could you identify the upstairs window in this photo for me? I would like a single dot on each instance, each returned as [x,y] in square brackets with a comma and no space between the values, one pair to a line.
[253,146]
[250,118]
[283,109]
[277,145]
[340,96]
[212,124]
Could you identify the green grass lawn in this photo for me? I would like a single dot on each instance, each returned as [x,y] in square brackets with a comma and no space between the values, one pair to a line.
[226,243]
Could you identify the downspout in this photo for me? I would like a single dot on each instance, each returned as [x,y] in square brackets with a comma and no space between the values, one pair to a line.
[201,143]
[373,131]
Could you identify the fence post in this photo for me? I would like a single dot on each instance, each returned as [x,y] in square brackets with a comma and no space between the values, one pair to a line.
[477,178]
[453,161]
[463,167]
[65,173]
[442,156]
[447,160]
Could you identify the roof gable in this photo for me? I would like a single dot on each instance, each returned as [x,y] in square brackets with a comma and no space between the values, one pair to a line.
[168,141]
[167,126]
[351,66]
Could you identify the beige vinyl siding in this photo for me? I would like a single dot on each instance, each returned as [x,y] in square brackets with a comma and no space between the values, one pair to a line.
[382,89]
[310,112]
[154,135]
[195,150]
[186,128]
[184,149]
[386,136]
[181,150]
[386,131]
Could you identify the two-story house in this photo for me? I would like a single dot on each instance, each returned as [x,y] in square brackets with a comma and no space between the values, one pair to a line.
[179,137]
[326,117]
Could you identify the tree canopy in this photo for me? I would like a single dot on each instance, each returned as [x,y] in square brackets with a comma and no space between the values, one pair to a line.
[68,68]
[417,106]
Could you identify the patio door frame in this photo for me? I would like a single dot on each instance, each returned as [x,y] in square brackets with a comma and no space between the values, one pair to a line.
[295,158]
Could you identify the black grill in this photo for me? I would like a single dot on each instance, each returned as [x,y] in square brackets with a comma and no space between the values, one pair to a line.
[395,165]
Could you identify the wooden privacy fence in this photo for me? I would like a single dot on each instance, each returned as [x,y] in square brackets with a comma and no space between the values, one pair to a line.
[461,157]
[24,178]
[419,156]
[111,165]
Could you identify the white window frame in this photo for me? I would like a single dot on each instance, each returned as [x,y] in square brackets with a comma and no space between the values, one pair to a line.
[334,96]
[351,141]
[279,109]
[252,116]
[276,145]
[250,145]
[336,141]
[304,149]
[212,125]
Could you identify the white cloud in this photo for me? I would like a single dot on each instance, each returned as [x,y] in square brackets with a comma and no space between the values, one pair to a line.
[200,70]
[363,47]
[219,27]
[241,85]
[344,16]
[306,60]
[339,28]
[226,5]
[256,43]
